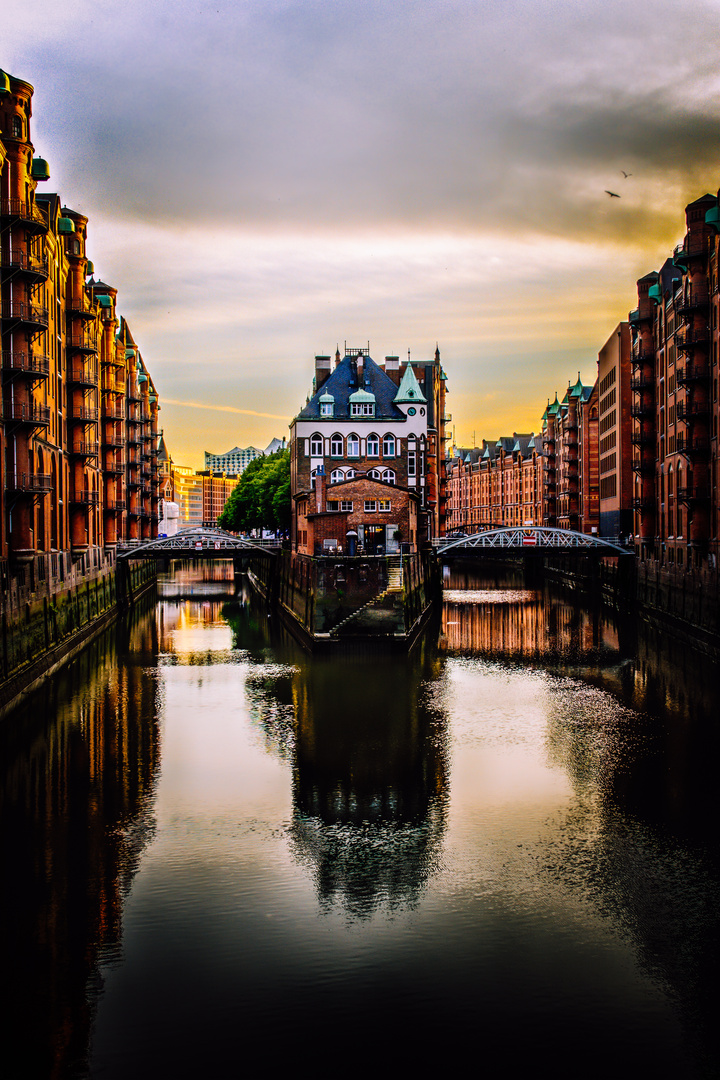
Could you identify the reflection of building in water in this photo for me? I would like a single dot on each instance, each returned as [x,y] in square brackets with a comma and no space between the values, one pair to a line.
[370,778]
[78,774]
[524,624]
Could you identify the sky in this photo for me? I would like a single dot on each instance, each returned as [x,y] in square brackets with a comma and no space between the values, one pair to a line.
[270,179]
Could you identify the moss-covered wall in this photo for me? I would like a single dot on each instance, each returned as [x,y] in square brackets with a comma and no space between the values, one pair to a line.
[39,626]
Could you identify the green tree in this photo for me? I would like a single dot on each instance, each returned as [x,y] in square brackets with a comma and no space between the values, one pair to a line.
[261,499]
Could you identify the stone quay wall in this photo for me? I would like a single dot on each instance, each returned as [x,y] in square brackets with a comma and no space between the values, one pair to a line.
[51,607]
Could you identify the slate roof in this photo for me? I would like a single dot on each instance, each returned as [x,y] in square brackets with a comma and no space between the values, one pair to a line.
[343,383]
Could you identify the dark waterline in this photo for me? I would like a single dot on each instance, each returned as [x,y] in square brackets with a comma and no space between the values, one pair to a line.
[221,855]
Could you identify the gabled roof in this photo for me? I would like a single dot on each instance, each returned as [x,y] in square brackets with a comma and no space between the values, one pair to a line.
[343,384]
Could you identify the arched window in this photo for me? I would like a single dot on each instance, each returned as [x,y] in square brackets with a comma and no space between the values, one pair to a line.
[349,474]
[353,445]
[670,482]
[373,446]
[388,476]
[389,446]
[375,474]
[316,445]
[336,476]
[336,445]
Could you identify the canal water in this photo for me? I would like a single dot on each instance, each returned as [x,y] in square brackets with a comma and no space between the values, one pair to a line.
[222,857]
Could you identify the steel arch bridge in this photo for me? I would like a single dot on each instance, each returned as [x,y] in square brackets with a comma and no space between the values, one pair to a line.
[198,543]
[530,540]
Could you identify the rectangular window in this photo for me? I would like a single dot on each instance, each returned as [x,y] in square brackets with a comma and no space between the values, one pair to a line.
[370,506]
[346,506]
[411,464]
[384,506]
[332,504]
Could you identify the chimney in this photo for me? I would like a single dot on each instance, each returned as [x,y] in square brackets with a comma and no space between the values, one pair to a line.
[323,370]
[392,368]
[320,489]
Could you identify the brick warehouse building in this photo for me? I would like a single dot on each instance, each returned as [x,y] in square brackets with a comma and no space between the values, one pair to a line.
[496,484]
[367,455]
[675,343]
[78,461]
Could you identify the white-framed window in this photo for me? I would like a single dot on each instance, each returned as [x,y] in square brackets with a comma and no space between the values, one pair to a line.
[375,474]
[370,506]
[336,445]
[353,445]
[360,408]
[384,506]
[346,505]
[349,474]
[388,446]
[336,476]
[373,445]
[388,476]
[411,463]
[316,445]
[326,408]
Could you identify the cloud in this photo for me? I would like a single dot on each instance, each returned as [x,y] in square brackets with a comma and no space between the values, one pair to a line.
[222,408]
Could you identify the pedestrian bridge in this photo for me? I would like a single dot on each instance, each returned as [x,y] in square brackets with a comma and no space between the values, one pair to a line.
[198,542]
[531,540]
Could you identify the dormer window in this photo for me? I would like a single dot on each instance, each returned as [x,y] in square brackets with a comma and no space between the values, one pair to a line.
[327,405]
[362,403]
[362,408]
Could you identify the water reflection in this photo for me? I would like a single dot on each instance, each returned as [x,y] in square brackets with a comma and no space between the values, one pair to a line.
[502,846]
[79,765]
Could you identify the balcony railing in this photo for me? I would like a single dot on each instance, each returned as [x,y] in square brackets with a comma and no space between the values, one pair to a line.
[691,373]
[692,447]
[28,213]
[689,495]
[642,409]
[694,335]
[23,363]
[85,498]
[36,483]
[23,312]
[643,504]
[694,247]
[26,413]
[81,340]
[85,414]
[81,307]
[690,410]
[84,449]
[642,438]
[640,383]
[643,468]
[696,298]
[83,375]
[34,266]
[112,505]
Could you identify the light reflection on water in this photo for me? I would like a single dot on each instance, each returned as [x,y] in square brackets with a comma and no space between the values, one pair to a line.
[491,847]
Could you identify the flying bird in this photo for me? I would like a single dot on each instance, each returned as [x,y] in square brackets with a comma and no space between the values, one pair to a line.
[612,194]
[625,174]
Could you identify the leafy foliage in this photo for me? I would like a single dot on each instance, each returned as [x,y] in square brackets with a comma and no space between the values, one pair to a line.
[261,499]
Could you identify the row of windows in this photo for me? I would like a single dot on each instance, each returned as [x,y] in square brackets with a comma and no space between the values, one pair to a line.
[337,475]
[370,506]
[337,446]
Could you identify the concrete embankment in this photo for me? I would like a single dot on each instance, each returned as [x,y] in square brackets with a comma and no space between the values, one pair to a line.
[45,622]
